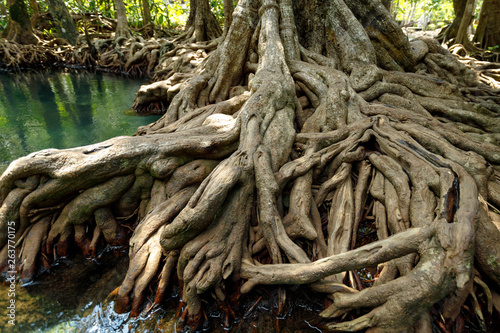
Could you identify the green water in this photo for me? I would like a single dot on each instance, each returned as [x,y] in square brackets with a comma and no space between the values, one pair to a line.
[63,110]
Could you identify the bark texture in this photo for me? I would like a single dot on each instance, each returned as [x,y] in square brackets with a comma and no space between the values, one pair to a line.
[122,29]
[228,14]
[488,28]
[64,23]
[146,13]
[19,28]
[271,156]
[463,29]
[202,24]
[450,32]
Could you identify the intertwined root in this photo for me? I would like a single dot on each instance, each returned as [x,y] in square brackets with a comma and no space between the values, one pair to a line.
[439,218]
[288,149]
[77,195]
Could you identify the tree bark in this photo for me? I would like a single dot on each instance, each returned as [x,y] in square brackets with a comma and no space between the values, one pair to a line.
[228,15]
[463,30]
[3,9]
[122,29]
[488,28]
[146,13]
[388,5]
[20,30]
[450,32]
[202,24]
[36,13]
[64,23]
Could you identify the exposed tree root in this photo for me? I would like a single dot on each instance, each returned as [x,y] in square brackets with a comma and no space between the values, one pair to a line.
[278,156]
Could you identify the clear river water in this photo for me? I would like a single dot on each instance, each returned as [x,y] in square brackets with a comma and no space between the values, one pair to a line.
[63,110]
[40,110]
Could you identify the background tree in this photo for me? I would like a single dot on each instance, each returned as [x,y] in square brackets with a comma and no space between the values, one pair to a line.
[488,28]
[63,21]
[228,14]
[122,29]
[463,29]
[19,29]
[201,24]
[146,12]
[307,118]
[459,8]
[3,9]
[388,4]
[36,13]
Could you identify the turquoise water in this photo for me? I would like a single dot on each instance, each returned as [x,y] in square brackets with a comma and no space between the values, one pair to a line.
[63,110]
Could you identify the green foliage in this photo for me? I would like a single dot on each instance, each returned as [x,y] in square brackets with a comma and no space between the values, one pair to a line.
[495,48]
[174,14]
[171,14]
[218,10]
[4,19]
[134,13]
[436,11]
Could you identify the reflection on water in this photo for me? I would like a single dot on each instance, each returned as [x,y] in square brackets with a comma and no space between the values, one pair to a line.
[63,110]
[73,297]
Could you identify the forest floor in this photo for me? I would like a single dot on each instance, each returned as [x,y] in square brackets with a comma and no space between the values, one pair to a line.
[413,32]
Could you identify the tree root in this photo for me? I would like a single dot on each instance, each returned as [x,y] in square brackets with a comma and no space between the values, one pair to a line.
[268,164]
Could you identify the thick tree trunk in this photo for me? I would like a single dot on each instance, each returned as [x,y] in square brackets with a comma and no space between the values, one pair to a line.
[20,30]
[36,13]
[305,123]
[450,32]
[346,33]
[122,29]
[388,5]
[64,23]
[202,24]
[467,17]
[488,28]
[3,9]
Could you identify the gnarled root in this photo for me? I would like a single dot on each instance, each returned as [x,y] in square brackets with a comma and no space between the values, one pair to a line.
[49,213]
[271,163]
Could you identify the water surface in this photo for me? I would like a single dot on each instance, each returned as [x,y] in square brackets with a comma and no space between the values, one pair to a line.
[63,110]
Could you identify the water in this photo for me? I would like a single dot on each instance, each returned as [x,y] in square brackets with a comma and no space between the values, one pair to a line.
[74,297]
[63,110]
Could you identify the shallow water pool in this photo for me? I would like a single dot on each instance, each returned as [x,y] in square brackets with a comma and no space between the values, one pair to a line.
[63,110]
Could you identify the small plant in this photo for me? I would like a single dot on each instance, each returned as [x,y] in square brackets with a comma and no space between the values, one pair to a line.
[495,48]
